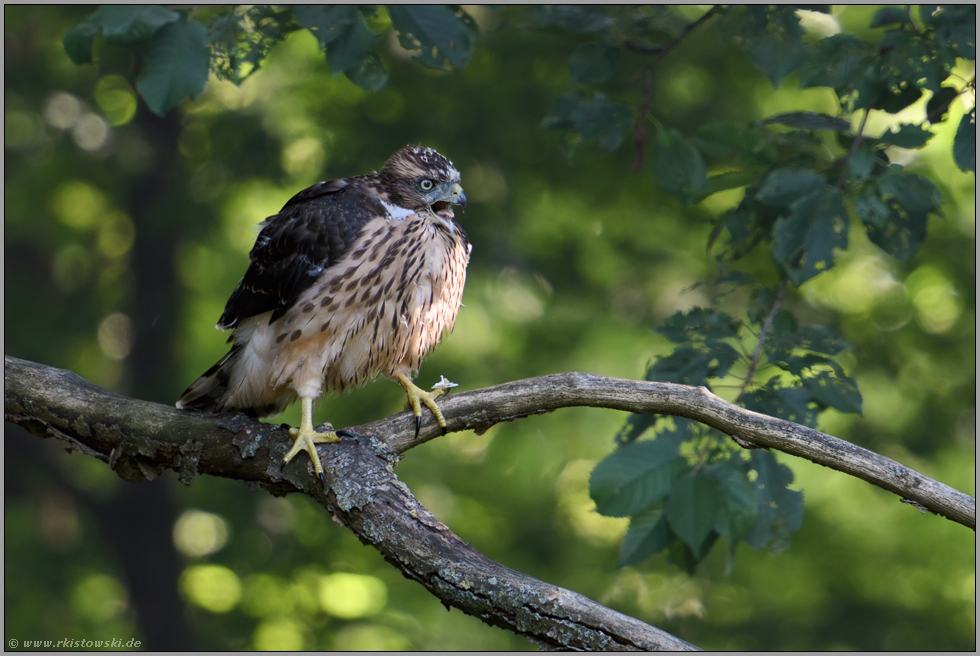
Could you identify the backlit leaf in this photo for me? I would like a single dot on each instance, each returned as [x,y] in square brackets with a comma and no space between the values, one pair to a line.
[648,534]
[693,506]
[636,476]
[907,136]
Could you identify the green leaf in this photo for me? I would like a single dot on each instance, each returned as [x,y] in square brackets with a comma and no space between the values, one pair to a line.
[810,121]
[778,50]
[806,239]
[690,365]
[692,508]
[633,478]
[790,403]
[749,144]
[678,166]
[783,187]
[889,16]
[730,180]
[593,63]
[870,208]
[913,192]
[837,61]
[348,50]
[861,164]
[908,136]
[369,74]
[442,35]
[903,233]
[576,19]
[965,142]
[838,392]
[698,325]
[956,29]
[740,502]
[560,115]
[938,106]
[807,337]
[636,424]
[240,39]
[175,66]
[327,22]
[780,509]
[78,42]
[648,534]
[128,24]
[604,120]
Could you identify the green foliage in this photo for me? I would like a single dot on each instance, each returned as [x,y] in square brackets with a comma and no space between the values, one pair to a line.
[443,37]
[239,38]
[784,193]
[679,167]
[965,144]
[175,65]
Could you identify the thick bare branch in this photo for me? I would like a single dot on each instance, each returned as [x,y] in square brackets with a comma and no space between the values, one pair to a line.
[141,439]
[481,409]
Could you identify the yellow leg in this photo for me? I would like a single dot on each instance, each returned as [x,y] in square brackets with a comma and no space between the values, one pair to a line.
[307,438]
[418,397]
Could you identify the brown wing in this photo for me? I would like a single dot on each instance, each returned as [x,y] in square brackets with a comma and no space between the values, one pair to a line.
[311,233]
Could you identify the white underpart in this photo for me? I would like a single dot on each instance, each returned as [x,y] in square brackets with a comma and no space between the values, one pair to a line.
[397,212]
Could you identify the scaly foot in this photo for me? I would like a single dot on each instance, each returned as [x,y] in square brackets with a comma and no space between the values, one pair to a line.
[418,397]
[307,439]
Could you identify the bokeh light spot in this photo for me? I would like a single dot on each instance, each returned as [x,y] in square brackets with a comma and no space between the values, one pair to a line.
[62,110]
[212,587]
[279,634]
[115,335]
[198,533]
[79,205]
[98,597]
[116,99]
[350,596]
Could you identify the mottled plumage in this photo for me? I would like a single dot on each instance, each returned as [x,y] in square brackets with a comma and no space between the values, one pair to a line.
[353,278]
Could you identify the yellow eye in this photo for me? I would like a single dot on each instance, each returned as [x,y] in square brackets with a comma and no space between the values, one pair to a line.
[426,185]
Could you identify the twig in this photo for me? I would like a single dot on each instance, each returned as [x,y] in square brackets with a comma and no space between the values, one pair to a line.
[850,153]
[658,53]
[777,304]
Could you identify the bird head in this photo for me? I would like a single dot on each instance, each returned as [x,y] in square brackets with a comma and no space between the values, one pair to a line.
[422,180]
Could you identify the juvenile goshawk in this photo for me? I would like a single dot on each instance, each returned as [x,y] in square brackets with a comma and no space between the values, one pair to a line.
[352,279]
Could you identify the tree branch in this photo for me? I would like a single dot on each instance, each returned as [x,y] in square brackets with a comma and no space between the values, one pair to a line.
[140,439]
[658,53]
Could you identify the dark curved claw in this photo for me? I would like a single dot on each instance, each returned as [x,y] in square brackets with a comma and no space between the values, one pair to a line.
[418,425]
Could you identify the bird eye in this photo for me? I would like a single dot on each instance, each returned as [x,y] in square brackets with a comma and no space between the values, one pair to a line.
[426,185]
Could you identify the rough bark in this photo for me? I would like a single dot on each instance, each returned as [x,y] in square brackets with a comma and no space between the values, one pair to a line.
[141,439]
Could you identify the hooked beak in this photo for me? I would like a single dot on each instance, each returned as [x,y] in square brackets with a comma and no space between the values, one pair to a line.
[459,196]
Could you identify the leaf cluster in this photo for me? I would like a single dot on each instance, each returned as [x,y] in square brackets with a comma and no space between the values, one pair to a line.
[179,48]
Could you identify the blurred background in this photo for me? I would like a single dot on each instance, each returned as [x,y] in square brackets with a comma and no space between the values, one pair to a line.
[125,233]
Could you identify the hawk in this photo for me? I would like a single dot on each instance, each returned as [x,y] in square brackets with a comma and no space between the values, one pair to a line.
[353,278]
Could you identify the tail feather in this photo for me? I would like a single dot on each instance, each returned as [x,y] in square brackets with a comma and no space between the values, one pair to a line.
[209,392]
